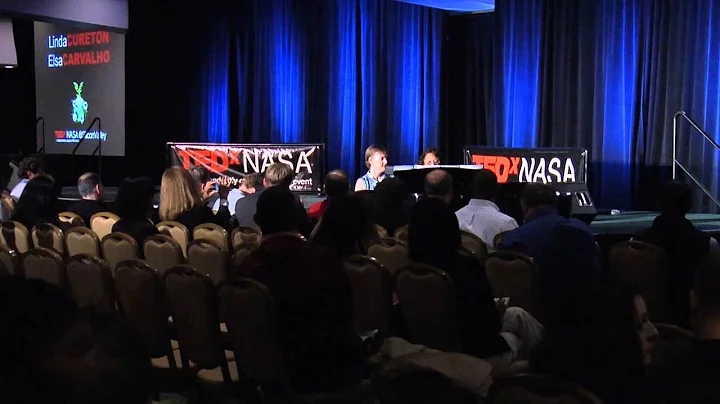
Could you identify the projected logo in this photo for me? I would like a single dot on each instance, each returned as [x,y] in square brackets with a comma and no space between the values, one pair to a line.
[79,105]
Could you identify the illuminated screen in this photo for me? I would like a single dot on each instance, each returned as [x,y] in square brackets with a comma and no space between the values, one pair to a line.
[80,75]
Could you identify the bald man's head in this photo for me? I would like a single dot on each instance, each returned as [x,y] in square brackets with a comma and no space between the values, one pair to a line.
[337,183]
[439,184]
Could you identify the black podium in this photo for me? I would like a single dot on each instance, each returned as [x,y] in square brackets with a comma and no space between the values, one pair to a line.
[414,176]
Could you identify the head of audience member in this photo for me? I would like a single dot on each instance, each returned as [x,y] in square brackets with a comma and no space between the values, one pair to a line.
[202,178]
[39,202]
[430,157]
[390,194]
[705,299]
[537,197]
[249,183]
[675,199]
[485,185]
[376,160]
[439,184]
[278,174]
[433,232]
[369,203]
[30,167]
[90,187]
[178,193]
[277,211]
[605,346]
[135,198]
[346,227]
[337,184]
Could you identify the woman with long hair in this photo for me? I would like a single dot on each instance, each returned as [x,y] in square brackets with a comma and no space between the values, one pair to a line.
[180,200]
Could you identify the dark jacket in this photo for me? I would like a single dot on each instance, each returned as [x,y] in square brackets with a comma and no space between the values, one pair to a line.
[246,207]
[137,229]
[200,214]
[87,208]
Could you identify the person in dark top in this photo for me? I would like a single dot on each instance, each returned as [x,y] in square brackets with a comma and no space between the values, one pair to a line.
[337,185]
[91,193]
[312,296]
[134,204]
[201,175]
[685,245]
[346,227]
[439,184]
[38,203]
[180,200]
[393,203]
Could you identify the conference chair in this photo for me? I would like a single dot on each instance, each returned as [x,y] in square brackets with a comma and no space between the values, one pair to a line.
[162,252]
[81,240]
[207,257]
[245,235]
[513,274]
[118,247]
[68,220]
[45,264]
[102,223]
[214,233]
[177,231]
[371,284]
[10,260]
[474,244]
[49,236]
[91,283]
[390,252]
[16,236]
[402,233]
[242,251]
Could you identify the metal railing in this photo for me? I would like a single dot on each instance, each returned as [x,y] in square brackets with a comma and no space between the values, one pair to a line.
[676,163]
[42,139]
[97,150]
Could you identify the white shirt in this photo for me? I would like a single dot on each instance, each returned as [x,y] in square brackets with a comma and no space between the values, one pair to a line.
[18,189]
[233,196]
[484,219]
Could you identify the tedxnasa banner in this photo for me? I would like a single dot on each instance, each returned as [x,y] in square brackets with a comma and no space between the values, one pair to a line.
[531,165]
[229,163]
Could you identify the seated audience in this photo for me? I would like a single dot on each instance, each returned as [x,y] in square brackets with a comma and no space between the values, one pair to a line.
[91,193]
[38,203]
[337,185]
[248,186]
[393,204]
[376,162]
[434,239]
[208,191]
[346,227]
[685,245]
[312,295]
[29,168]
[134,206]
[606,346]
[430,157]
[180,201]
[439,184]
[481,216]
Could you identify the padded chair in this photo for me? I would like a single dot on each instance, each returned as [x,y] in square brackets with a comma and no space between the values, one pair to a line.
[474,244]
[118,247]
[513,274]
[427,302]
[68,220]
[245,235]
[381,231]
[16,236]
[177,231]
[391,252]
[645,265]
[162,252]
[91,283]
[208,258]
[528,388]
[102,223]
[214,233]
[192,300]
[402,233]
[10,260]
[49,236]
[242,251]
[8,203]
[81,240]
[371,284]
[45,264]
[141,301]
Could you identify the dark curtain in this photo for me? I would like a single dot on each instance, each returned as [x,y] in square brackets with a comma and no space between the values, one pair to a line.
[606,75]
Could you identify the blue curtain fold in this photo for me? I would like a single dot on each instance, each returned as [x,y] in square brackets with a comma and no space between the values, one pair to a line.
[213,121]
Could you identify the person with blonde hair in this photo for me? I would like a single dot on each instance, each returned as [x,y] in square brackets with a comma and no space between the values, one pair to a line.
[376,162]
[180,201]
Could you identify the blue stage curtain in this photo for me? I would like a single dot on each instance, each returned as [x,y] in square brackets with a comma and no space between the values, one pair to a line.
[213,121]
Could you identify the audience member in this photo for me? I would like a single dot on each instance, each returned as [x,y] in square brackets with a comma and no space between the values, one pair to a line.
[29,168]
[606,346]
[91,192]
[208,191]
[180,201]
[248,186]
[38,203]
[439,184]
[482,216]
[346,227]
[312,295]
[393,204]
[337,185]
[134,205]
[376,162]
[434,239]
[430,157]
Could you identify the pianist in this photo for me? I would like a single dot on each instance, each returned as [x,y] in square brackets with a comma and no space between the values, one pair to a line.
[376,162]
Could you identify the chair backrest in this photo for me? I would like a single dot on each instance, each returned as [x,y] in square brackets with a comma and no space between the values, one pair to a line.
[118,247]
[391,252]
[646,266]
[68,220]
[371,284]
[245,235]
[474,244]
[162,252]
[513,274]
[16,236]
[427,302]
[81,240]
[207,257]
[528,388]
[45,264]
[8,203]
[249,313]
[402,233]
[49,236]
[241,252]
[381,231]
[10,260]
[91,283]
[177,231]
[191,297]
[102,223]
[141,300]
[213,232]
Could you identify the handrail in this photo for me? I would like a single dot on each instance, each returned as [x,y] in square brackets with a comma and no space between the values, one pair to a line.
[676,163]
[38,120]
[98,149]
